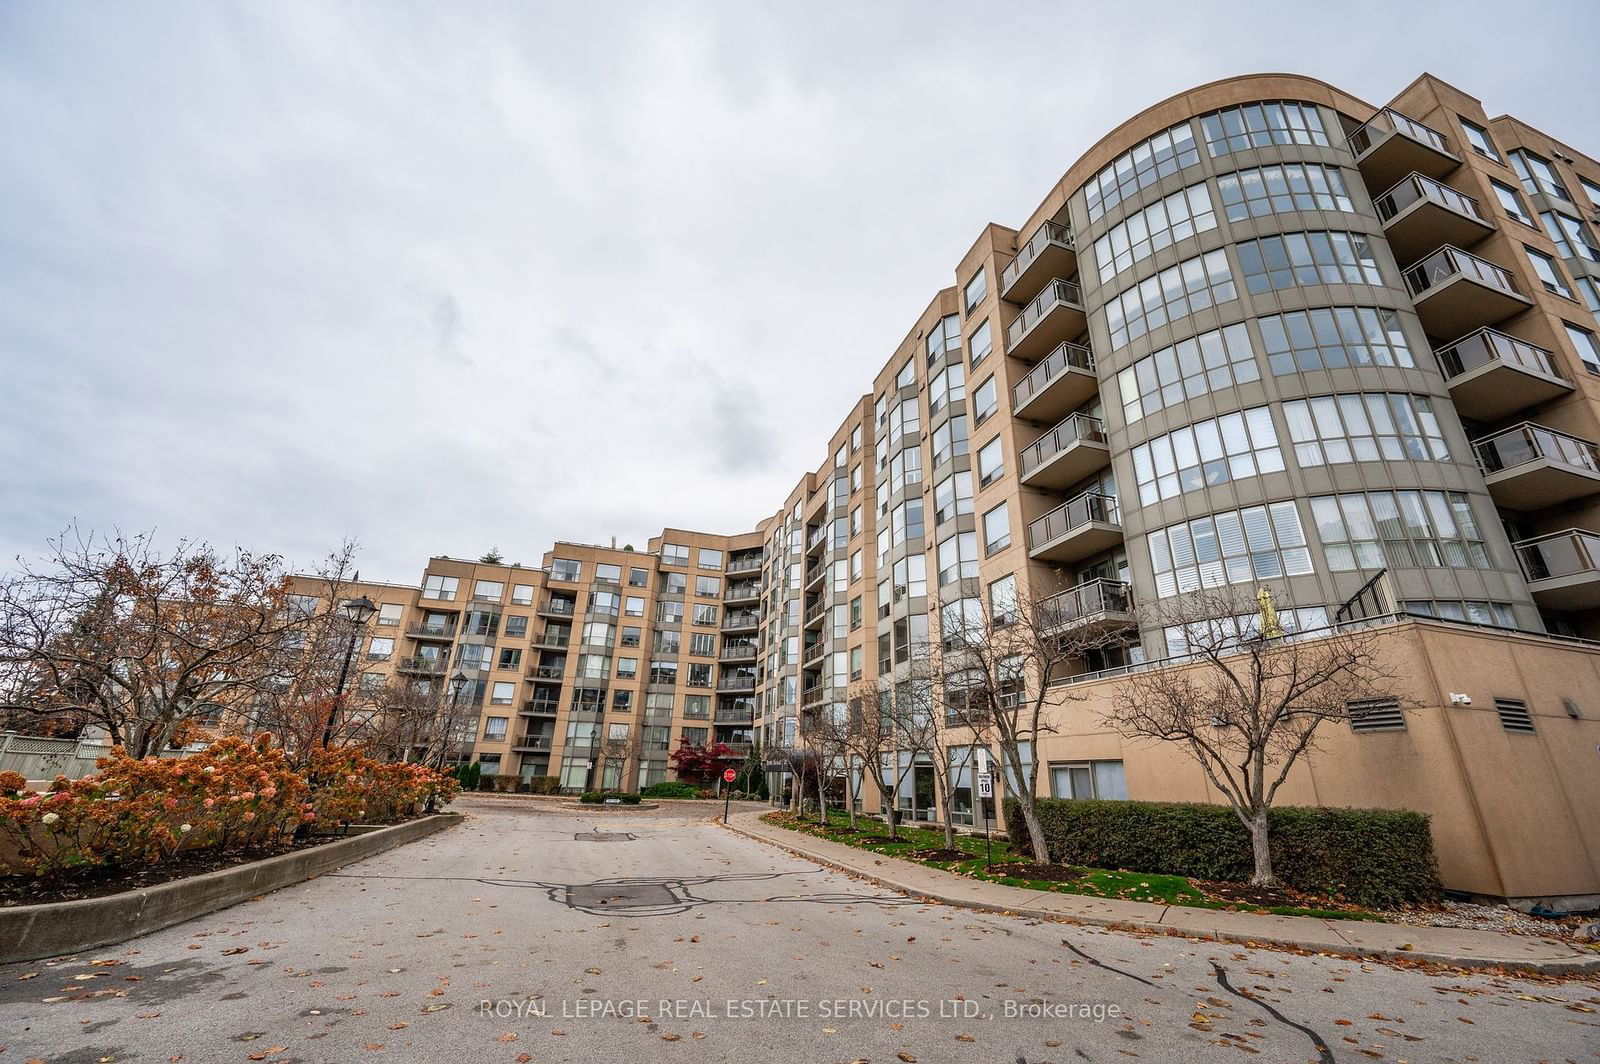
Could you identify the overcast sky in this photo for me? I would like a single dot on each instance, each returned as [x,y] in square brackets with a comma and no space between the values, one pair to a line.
[440,277]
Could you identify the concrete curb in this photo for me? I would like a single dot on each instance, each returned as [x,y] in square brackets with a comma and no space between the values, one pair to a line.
[750,826]
[54,929]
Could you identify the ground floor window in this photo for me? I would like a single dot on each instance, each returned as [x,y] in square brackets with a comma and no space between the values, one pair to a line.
[1088,779]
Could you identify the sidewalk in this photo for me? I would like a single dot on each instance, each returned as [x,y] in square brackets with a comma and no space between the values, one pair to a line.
[1362,938]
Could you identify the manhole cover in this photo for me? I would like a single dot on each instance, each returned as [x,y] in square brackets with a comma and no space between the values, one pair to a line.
[619,896]
[603,836]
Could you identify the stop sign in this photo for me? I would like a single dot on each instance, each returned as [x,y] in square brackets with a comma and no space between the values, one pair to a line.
[729,775]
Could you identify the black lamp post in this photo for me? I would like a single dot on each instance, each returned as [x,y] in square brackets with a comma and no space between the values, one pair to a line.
[458,683]
[358,612]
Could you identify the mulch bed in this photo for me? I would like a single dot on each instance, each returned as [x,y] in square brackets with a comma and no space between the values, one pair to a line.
[940,855]
[1049,873]
[99,882]
[1243,894]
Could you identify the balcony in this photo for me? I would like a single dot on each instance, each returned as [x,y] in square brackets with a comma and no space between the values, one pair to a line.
[1049,252]
[1562,569]
[813,696]
[540,707]
[1529,467]
[1419,214]
[736,682]
[1390,146]
[1066,454]
[551,640]
[443,631]
[748,591]
[547,672]
[423,666]
[1456,293]
[741,621]
[816,612]
[1076,529]
[737,652]
[814,653]
[529,744]
[1093,608]
[554,607]
[815,573]
[1055,315]
[744,565]
[1058,384]
[1492,375]
[736,716]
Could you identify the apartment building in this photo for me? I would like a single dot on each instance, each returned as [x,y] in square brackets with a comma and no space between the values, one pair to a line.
[1262,334]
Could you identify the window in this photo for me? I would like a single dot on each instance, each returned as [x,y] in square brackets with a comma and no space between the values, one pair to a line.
[1498,614]
[996,530]
[855,439]
[1334,337]
[675,583]
[1236,546]
[950,440]
[1510,202]
[1372,427]
[958,558]
[944,337]
[1188,369]
[1589,288]
[1222,633]
[1570,236]
[708,558]
[630,636]
[598,633]
[627,668]
[674,554]
[1102,780]
[381,648]
[638,577]
[947,386]
[1590,189]
[699,674]
[494,728]
[708,586]
[1537,175]
[1162,224]
[1587,347]
[439,587]
[1479,139]
[607,603]
[1258,125]
[1549,275]
[522,594]
[908,374]
[1282,188]
[980,343]
[510,658]
[961,622]
[976,289]
[663,671]
[503,693]
[704,614]
[488,590]
[594,666]
[991,463]
[516,626]
[1398,529]
[984,401]
[1291,259]
[1143,165]
[1207,453]
[669,612]
[633,606]
[697,707]
[1174,293]
[390,613]
[911,575]
[566,570]
[855,613]
[1514,715]
[952,496]
[1003,599]
[608,574]
[856,663]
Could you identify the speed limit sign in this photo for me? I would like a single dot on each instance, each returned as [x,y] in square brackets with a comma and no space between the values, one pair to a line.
[985,785]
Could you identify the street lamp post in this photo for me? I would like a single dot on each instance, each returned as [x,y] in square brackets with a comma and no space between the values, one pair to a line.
[358,612]
[458,683]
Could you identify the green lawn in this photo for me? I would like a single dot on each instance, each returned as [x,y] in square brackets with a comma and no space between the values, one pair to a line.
[1094,882]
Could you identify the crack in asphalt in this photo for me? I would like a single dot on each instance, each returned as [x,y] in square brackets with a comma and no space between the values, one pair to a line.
[1316,1039]
[1107,967]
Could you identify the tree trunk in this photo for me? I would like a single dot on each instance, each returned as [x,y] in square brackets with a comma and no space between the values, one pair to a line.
[822,798]
[1030,817]
[1262,877]
[850,792]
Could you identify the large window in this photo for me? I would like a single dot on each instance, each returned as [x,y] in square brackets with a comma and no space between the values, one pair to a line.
[1500,614]
[958,557]
[1103,780]
[949,385]
[1549,274]
[1188,369]
[1479,139]
[950,439]
[1571,238]
[1371,427]
[984,401]
[1143,233]
[1287,260]
[952,496]
[1398,529]
[944,337]
[981,342]
[1165,153]
[1334,337]
[1587,347]
[975,290]
[1237,546]
[1282,188]
[1538,175]
[1258,125]
[674,554]
[1174,293]
[1511,202]
[1241,444]
[996,530]
[439,587]
[991,463]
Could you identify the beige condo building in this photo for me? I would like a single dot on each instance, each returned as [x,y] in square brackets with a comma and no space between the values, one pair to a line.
[1262,334]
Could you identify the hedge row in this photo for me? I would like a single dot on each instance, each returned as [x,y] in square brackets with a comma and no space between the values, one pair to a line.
[601,797]
[1372,857]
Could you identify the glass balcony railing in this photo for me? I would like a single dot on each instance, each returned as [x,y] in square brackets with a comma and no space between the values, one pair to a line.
[431,629]
[1528,442]
[1570,553]
[1490,345]
[1450,262]
[1056,293]
[1389,121]
[1088,600]
[1074,513]
[1047,234]
[1064,357]
[1417,187]
[1078,428]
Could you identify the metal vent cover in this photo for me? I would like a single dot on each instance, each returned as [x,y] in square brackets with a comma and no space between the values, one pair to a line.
[1376,714]
[1514,715]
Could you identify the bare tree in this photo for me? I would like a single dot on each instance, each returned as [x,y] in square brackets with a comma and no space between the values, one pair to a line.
[827,731]
[947,720]
[418,719]
[870,737]
[111,632]
[1247,702]
[1004,662]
